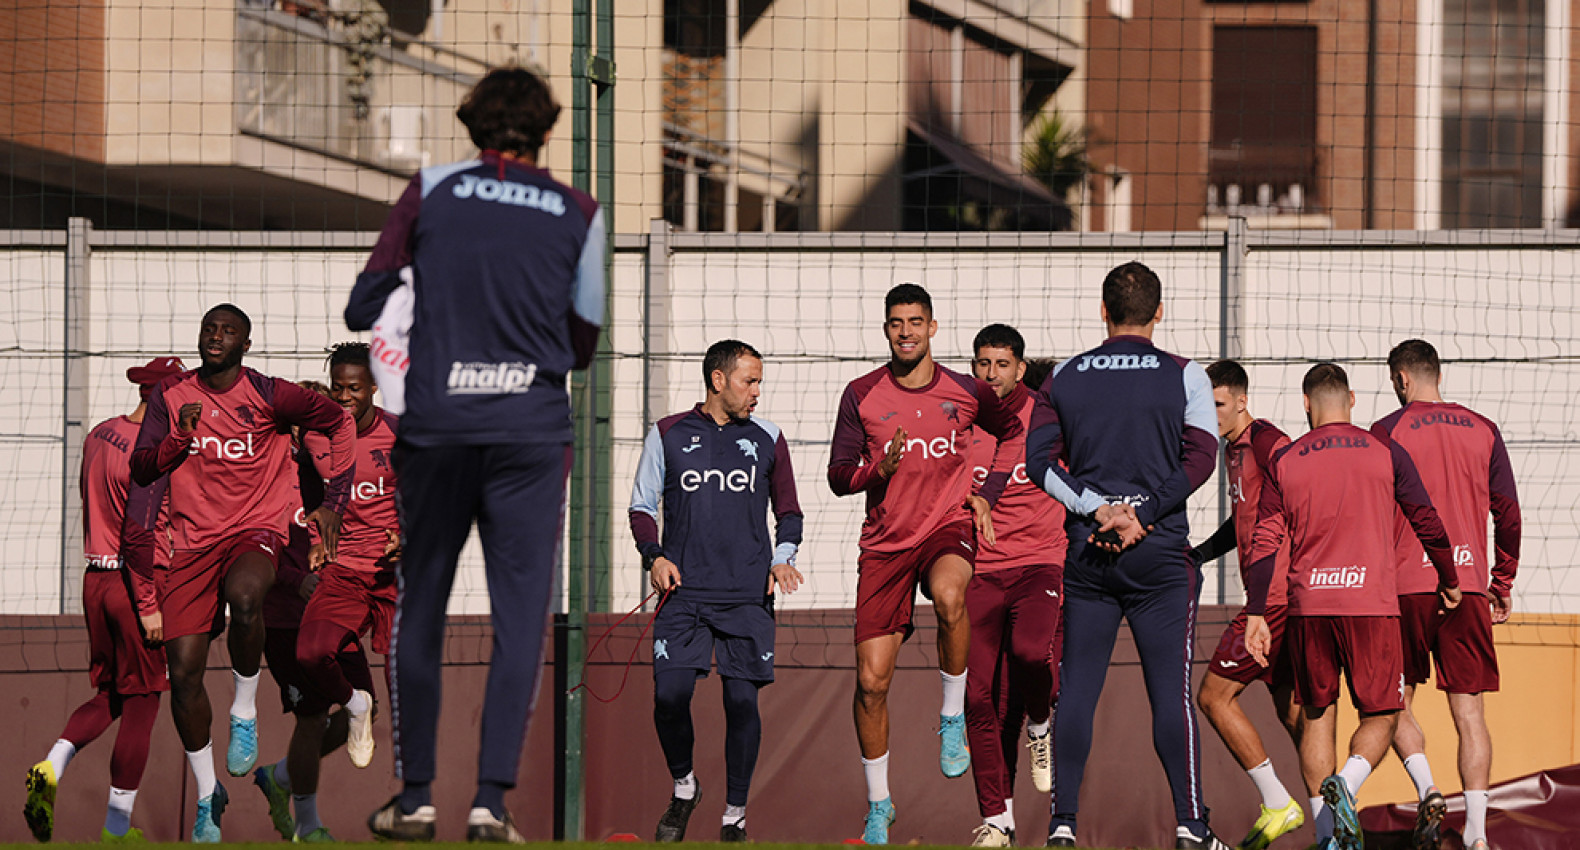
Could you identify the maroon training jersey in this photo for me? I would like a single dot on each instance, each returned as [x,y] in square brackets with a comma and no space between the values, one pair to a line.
[1028,523]
[1465,467]
[1333,493]
[105,483]
[1248,458]
[930,487]
[371,511]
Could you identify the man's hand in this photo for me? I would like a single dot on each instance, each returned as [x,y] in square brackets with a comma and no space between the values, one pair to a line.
[308,585]
[982,515]
[785,576]
[896,453]
[391,545]
[1120,519]
[1502,607]
[328,528]
[153,628]
[316,559]
[666,576]
[187,423]
[1450,596]
[1258,638]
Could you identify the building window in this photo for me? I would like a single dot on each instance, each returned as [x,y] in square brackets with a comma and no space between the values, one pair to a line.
[1263,154]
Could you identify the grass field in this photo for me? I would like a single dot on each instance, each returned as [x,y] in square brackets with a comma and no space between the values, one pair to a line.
[437,845]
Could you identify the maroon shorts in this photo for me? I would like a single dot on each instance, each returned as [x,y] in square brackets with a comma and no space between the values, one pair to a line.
[1459,640]
[191,601]
[118,659]
[886,582]
[1365,649]
[359,601]
[1233,661]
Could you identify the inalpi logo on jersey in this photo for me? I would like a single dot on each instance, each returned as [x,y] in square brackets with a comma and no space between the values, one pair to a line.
[232,449]
[1338,578]
[935,448]
[490,378]
[1117,361]
[364,491]
[733,480]
[508,192]
[1463,557]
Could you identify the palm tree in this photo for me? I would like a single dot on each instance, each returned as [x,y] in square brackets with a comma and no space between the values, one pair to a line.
[1055,156]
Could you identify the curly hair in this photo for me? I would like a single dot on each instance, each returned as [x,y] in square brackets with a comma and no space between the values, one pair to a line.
[350,354]
[510,110]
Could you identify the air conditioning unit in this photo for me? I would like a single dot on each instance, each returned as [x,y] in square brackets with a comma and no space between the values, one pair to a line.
[405,126]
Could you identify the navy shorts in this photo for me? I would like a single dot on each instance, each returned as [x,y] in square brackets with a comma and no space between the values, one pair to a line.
[687,635]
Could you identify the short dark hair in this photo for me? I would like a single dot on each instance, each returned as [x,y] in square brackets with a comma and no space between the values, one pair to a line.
[721,356]
[1416,356]
[1325,378]
[1000,336]
[227,307]
[1037,371]
[510,110]
[350,354]
[907,293]
[1229,375]
[1132,293]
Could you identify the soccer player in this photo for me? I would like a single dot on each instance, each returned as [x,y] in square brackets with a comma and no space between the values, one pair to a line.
[1013,603]
[1134,426]
[507,271]
[1332,494]
[1249,444]
[1465,467]
[717,469]
[221,433]
[128,672]
[903,438]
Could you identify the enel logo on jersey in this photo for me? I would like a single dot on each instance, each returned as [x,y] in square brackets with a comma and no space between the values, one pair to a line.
[935,448]
[232,449]
[979,475]
[1338,578]
[734,480]
[1117,361]
[507,192]
[364,491]
[1342,441]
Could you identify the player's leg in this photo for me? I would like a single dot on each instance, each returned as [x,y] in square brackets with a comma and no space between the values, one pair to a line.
[745,651]
[129,759]
[1419,622]
[247,580]
[1318,748]
[519,521]
[329,628]
[986,697]
[682,652]
[1467,666]
[1369,654]
[1475,760]
[187,656]
[875,660]
[946,579]
[437,499]
[1091,625]
[1035,627]
[304,763]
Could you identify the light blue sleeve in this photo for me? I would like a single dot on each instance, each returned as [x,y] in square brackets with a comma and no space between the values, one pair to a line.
[589,286]
[1200,409]
[649,486]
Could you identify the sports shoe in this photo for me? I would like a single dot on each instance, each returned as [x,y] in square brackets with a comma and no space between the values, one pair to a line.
[1429,821]
[1061,836]
[39,810]
[205,827]
[1346,824]
[481,825]
[318,836]
[672,826]
[732,833]
[242,754]
[988,835]
[1273,823]
[389,822]
[1185,840]
[359,734]
[880,816]
[279,801]
[1041,747]
[133,836]
[954,756]
[1479,844]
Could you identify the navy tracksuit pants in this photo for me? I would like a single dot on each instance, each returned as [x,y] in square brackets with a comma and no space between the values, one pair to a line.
[516,495]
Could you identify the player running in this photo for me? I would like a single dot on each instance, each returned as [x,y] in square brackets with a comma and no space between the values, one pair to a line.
[1465,467]
[221,432]
[902,437]
[717,469]
[1332,495]
[1013,602]
[1249,444]
[128,672]
[1133,426]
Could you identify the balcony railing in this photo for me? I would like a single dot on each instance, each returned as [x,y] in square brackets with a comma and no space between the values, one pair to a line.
[332,82]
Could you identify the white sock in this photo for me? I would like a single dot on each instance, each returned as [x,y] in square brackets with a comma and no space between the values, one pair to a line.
[686,786]
[877,771]
[1000,820]
[245,705]
[1475,816]
[118,814]
[306,806]
[1321,818]
[1354,773]
[1274,794]
[735,815]
[954,694]
[202,762]
[1009,811]
[1039,730]
[1420,773]
[360,702]
[61,755]
[282,776]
